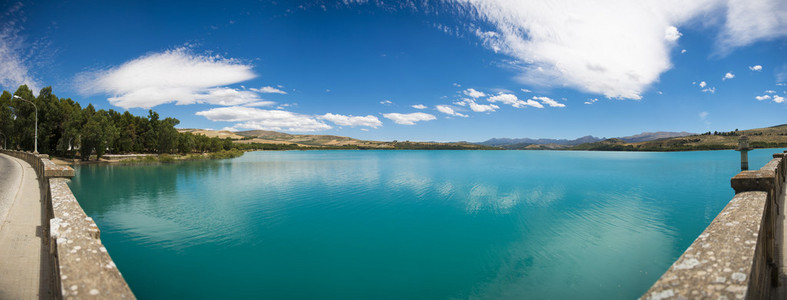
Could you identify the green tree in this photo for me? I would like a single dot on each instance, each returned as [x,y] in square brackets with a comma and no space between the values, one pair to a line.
[152,132]
[168,135]
[186,143]
[24,119]
[72,126]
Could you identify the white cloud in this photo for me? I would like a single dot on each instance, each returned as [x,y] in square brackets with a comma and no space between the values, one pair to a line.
[526,90]
[615,48]
[703,115]
[763,97]
[263,103]
[703,84]
[682,51]
[549,101]
[711,90]
[456,84]
[481,107]
[171,76]
[770,92]
[16,57]
[449,111]
[226,97]
[259,119]
[409,119]
[728,76]
[512,100]
[386,102]
[750,21]
[341,120]
[419,106]
[268,90]
[672,34]
[473,93]
[778,99]
[756,68]
[591,100]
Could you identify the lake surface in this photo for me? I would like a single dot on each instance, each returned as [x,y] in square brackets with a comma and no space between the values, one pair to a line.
[407,224]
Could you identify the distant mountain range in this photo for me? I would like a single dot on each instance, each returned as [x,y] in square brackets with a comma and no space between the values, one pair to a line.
[527,143]
[769,137]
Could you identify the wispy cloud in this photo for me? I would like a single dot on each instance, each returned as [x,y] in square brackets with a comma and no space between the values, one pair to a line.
[549,101]
[171,76]
[342,120]
[473,93]
[617,49]
[512,100]
[419,106]
[15,55]
[756,68]
[409,119]
[704,117]
[449,111]
[763,97]
[269,90]
[262,103]
[711,90]
[260,119]
[386,102]
[477,107]
[751,21]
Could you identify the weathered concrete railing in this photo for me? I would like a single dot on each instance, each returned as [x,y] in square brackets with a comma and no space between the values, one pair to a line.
[736,256]
[81,265]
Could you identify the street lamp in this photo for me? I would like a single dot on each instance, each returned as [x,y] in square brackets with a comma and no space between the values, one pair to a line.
[35,150]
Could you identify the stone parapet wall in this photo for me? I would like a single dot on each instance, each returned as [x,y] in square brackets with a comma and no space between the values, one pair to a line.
[79,260]
[736,256]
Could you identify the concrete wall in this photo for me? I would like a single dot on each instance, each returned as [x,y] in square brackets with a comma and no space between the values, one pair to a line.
[736,256]
[82,264]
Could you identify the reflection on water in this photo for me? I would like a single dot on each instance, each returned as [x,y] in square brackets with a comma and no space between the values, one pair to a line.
[406,224]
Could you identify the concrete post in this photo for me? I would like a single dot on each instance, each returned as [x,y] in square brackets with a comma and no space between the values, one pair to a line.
[743,147]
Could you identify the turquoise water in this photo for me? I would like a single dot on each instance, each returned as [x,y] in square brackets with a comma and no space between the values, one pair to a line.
[406,224]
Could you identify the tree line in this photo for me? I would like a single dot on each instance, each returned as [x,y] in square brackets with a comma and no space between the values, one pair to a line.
[67,129]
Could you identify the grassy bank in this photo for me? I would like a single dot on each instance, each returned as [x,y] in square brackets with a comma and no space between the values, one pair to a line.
[170,158]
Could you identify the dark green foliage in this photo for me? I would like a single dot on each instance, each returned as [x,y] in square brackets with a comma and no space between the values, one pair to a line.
[66,129]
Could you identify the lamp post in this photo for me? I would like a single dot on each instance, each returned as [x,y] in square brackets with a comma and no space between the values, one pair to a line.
[35,149]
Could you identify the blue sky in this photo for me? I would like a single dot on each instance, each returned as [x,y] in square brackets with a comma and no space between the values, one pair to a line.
[461,70]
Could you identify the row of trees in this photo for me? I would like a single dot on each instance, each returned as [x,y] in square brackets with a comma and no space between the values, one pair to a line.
[66,129]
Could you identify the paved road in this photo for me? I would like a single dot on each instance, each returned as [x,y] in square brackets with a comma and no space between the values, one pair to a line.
[10,178]
[22,265]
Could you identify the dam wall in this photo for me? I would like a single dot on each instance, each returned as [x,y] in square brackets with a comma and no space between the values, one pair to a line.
[737,256]
[81,264]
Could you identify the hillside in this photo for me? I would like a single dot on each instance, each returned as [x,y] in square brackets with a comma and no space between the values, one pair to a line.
[770,137]
[556,144]
[312,141]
